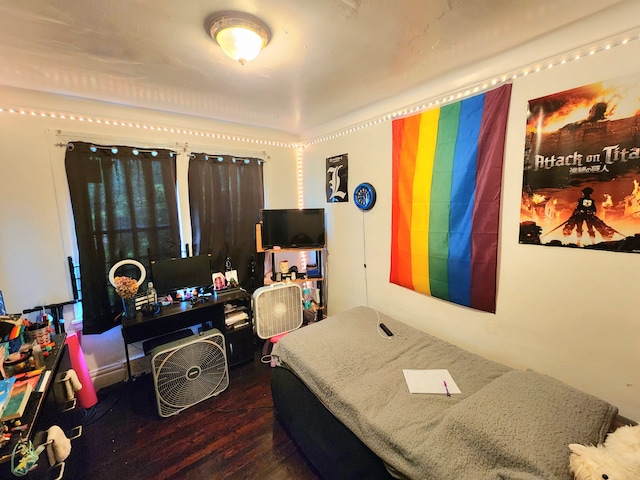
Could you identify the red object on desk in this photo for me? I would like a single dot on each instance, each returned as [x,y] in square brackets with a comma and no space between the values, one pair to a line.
[87,394]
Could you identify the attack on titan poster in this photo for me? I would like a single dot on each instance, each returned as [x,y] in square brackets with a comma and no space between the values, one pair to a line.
[582,168]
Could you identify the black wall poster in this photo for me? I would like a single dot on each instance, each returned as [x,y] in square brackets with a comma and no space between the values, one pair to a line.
[337,176]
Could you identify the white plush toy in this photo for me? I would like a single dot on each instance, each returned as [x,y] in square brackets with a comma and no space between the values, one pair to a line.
[617,459]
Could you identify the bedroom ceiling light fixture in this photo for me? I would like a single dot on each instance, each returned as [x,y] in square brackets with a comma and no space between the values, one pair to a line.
[240,35]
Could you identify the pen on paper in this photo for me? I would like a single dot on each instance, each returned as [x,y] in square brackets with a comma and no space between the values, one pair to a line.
[446,389]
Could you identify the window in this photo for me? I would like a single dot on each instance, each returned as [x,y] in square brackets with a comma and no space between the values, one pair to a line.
[124,206]
[226,194]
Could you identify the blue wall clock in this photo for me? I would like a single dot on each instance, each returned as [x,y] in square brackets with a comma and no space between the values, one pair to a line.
[364,196]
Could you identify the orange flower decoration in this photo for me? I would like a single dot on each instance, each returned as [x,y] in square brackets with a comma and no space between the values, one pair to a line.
[126,287]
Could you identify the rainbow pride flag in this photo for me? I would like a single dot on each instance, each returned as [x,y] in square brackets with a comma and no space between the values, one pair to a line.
[447,173]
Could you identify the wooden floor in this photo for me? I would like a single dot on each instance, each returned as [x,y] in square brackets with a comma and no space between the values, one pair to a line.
[233,435]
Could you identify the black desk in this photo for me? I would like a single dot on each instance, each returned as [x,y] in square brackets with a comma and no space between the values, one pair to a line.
[177,316]
[34,410]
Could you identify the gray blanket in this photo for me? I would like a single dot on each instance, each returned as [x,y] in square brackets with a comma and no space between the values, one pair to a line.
[506,424]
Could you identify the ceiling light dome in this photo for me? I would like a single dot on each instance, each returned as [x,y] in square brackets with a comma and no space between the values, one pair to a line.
[240,35]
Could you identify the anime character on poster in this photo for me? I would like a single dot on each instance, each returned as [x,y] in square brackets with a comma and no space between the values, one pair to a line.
[585,214]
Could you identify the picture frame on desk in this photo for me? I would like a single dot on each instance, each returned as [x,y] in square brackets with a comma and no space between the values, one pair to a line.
[232,278]
[219,281]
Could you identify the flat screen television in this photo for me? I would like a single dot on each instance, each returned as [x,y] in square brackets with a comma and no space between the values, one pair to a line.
[179,273]
[293,228]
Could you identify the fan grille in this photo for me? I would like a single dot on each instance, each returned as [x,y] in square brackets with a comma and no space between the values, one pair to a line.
[186,374]
[278,309]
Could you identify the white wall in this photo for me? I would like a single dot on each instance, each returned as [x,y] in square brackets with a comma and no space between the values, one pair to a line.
[36,227]
[563,312]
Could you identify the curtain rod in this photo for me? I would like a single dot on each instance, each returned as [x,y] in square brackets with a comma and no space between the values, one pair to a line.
[136,150]
[114,148]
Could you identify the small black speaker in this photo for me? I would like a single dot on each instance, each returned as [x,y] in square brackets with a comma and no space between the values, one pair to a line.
[150,309]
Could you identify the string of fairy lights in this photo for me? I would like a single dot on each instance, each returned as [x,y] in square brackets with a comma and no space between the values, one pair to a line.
[439,100]
[478,87]
[145,126]
[556,61]
[442,99]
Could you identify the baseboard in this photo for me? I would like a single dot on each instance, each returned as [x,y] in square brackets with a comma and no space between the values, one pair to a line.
[117,372]
[108,375]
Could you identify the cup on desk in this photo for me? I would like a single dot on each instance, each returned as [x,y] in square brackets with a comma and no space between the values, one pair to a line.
[41,335]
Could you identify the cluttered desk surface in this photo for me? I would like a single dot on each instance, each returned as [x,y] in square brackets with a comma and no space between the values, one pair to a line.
[132,327]
[35,383]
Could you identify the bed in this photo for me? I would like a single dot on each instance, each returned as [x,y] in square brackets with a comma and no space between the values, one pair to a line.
[339,390]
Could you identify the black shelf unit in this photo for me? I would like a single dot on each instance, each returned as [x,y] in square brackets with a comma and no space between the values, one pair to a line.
[239,338]
[319,281]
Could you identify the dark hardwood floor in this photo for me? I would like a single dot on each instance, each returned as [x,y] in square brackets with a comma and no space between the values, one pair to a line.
[234,435]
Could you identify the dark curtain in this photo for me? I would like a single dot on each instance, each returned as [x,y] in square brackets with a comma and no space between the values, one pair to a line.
[124,206]
[225,197]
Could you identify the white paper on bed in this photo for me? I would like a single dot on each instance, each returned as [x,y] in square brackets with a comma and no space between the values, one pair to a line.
[430,381]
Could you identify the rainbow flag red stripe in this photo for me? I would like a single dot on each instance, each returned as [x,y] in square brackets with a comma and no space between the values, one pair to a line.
[447,174]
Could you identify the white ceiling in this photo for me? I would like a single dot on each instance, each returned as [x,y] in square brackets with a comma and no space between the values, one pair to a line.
[326,58]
